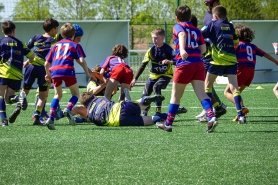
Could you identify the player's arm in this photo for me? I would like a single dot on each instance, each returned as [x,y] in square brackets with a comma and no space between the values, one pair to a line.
[202,44]
[203,48]
[141,69]
[182,40]
[81,110]
[269,57]
[82,62]
[46,67]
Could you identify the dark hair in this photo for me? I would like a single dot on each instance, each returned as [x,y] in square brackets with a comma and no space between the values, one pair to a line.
[86,97]
[49,24]
[8,27]
[244,32]
[183,13]
[120,51]
[220,11]
[67,30]
[158,31]
[194,20]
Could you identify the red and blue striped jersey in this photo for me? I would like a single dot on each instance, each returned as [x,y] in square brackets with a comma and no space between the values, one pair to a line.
[194,39]
[62,56]
[246,54]
[12,52]
[110,62]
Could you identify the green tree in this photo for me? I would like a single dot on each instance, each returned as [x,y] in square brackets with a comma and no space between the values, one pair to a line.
[76,9]
[32,10]
[269,9]
[1,8]
[243,10]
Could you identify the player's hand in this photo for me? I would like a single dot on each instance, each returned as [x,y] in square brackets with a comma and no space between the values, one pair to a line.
[132,83]
[47,77]
[25,64]
[166,61]
[183,54]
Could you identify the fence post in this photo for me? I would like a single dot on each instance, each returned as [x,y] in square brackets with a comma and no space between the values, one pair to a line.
[178,3]
[165,28]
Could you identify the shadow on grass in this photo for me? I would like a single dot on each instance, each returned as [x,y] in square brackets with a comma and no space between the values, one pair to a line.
[263,131]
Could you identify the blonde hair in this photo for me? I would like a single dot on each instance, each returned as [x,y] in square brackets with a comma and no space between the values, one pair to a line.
[158,31]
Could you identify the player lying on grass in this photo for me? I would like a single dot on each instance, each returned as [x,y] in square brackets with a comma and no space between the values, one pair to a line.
[104,112]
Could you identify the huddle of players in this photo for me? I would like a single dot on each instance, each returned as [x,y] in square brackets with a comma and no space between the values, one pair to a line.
[189,68]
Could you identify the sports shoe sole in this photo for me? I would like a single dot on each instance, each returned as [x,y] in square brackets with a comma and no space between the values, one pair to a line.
[50,125]
[14,115]
[162,126]
[155,98]
[212,128]
[69,117]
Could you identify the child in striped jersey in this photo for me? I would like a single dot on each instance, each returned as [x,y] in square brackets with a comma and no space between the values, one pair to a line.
[189,68]
[246,57]
[61,59]
[118,70]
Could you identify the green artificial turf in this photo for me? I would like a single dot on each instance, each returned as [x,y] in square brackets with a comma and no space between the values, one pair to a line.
[87,154]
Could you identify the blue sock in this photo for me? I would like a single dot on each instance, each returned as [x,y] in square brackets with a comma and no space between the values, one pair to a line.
[172,111]
[3,108]
[206,103]
[73,100]
[53,107]
[238,99]
[159,117]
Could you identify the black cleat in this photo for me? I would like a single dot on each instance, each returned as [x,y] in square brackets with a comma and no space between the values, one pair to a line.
[182,110]
[220,111]
[14,115]
[38,121]
[147,100]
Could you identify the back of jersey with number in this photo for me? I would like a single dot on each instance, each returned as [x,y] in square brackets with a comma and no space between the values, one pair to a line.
[62,56]
[193,40]
[246,54]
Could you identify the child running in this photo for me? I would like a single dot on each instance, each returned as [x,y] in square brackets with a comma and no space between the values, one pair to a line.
[190,45]
[246,57]
[12,52]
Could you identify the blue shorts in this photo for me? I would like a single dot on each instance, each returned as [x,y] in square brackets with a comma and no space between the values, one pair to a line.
[222,70]
[156,85]
[13,84]
[32,73]
[207,60]
[130,114]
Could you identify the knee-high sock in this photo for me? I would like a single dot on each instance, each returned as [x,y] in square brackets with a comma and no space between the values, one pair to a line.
[209,92]
[73,100]
[206,103]
[172,112]
[238,99]
[53,107]
[3,108]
